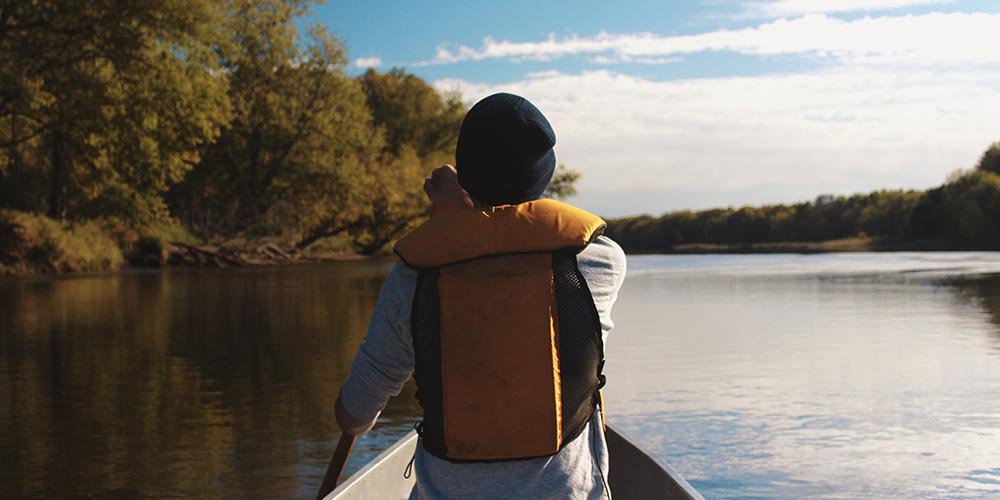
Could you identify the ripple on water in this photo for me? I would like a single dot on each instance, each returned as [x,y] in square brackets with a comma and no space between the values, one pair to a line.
[787,377]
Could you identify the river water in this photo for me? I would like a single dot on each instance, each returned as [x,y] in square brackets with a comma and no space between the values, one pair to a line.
[775,376]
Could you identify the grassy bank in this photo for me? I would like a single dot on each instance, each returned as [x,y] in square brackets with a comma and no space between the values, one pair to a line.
[858,244]
[36,244]
[32,243]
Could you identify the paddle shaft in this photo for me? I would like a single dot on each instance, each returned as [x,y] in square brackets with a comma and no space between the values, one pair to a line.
[337,463]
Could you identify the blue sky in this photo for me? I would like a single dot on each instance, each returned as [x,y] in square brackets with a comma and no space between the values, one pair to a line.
[672,105]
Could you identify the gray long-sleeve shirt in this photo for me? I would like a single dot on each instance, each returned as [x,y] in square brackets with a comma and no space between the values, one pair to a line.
[385,362]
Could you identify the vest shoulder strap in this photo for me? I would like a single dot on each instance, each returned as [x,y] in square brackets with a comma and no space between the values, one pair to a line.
[460,235]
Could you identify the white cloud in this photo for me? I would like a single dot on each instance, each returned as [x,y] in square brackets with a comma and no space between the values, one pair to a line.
[901,101]
[549,73]
[602,59]
[956,38]
[792,8]
[652,146]
[367,62]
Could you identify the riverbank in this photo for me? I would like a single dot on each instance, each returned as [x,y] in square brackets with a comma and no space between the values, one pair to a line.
[35,244]
[860,244]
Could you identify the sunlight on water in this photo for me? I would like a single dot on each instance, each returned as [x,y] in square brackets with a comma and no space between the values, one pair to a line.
[828,376]
[758,376]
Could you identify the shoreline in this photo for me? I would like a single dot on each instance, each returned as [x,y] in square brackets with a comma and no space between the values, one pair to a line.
[847,245]
[179,255]
[32,244]
[264,254]
[222,257]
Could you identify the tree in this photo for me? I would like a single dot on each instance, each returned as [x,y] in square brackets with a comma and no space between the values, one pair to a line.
[978,197]
[105,104]
[417,128]
[410,112]
[293,156]
[395,201]
[563,184]
[888,213]
[990,161]
[221,114]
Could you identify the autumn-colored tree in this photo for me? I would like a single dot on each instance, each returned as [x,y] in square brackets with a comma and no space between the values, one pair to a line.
[222,115]
[417,128]
[104,104]
[292,157]
[412,113]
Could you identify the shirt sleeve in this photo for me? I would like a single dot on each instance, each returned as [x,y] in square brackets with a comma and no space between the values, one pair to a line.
[602,265]
[384,362]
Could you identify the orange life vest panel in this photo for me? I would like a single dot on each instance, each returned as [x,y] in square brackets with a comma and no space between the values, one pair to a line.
[507,340]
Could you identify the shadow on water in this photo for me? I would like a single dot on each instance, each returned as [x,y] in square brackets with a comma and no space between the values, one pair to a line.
[193,384]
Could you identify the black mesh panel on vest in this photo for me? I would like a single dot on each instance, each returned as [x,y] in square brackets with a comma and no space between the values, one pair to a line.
[425,326]
[581,348]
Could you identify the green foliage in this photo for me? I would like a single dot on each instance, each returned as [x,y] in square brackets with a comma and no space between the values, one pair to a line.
[146,245]
[990,161]
[966,209]
[409,112]
[884,214]
[300,131]
[563,184]
[964,212]
[105,104]
[138,124]
[310,152]
[414,129]
[223,120]
[35,243]
[395,201]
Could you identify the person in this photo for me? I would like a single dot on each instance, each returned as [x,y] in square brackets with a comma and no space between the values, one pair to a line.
[499,308]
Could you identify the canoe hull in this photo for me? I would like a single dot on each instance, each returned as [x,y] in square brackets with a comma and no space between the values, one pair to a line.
[639,475]
[635,474]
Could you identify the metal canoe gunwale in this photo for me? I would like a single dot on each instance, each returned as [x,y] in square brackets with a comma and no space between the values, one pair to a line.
[635,474]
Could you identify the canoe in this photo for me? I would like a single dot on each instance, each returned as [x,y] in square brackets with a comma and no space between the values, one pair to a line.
[634,474]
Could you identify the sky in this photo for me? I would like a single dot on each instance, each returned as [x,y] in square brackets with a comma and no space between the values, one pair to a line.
[674,105]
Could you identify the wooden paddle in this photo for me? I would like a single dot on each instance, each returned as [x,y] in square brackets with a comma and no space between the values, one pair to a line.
[337,463]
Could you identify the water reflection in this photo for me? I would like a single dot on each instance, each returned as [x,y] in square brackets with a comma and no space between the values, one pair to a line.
[801,378]
[984,291]
[198,384]
[756,376]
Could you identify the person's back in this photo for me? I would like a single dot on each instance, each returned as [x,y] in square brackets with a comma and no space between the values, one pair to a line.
[502,312]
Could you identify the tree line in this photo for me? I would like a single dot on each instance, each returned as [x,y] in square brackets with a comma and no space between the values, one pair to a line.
[223,116]
[962,213]
[229,121]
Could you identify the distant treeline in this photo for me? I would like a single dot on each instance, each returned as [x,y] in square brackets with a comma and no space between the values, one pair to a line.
[963,213]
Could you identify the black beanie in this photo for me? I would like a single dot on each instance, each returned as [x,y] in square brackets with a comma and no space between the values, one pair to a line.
[504,154]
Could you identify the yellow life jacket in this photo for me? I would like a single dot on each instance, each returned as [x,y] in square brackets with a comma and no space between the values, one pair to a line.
[507,340]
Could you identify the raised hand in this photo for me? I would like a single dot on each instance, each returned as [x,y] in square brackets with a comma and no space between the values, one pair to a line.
[444,191]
